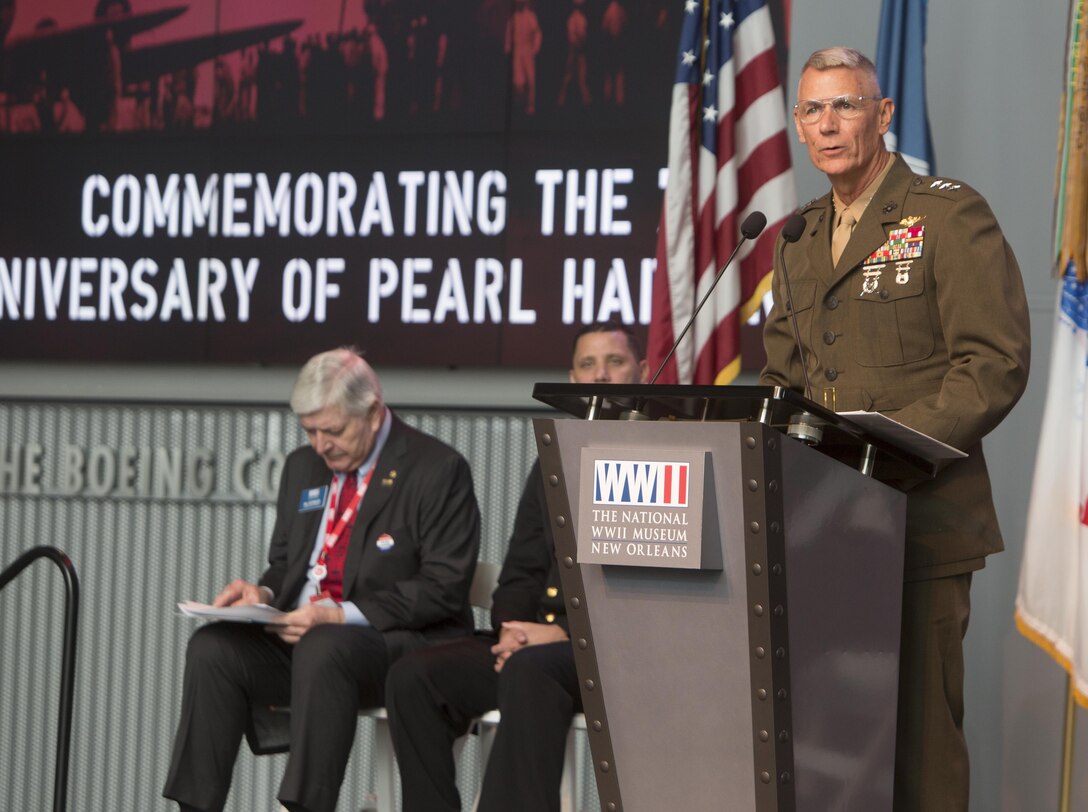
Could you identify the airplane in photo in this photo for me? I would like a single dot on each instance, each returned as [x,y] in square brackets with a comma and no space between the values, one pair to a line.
[92,65]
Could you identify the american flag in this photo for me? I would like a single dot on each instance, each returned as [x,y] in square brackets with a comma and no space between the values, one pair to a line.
[728,156]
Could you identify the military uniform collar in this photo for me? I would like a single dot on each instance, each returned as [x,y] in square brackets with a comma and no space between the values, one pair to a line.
[861,203]
[886,207]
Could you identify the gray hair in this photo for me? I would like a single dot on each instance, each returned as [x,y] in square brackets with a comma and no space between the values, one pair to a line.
[842,57]
[338,378]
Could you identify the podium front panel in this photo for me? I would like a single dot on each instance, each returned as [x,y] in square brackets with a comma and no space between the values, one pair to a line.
[694,695]
[664,636]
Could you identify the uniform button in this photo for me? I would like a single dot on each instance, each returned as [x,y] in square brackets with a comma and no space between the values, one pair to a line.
[550,617]
[884,294]
[832,374]
[829,337]
[831,302]
[553,591]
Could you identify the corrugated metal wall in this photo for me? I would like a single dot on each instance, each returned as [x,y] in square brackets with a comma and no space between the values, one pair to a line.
[154,504]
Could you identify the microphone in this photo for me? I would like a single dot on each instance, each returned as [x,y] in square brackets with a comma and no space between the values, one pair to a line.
[803,426]
[793,227]
[791,232]
[753,224]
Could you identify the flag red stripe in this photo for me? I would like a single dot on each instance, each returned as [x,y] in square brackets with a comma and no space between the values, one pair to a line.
[758,78]
[705,204]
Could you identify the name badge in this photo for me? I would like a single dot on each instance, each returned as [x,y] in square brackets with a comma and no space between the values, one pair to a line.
[313,499]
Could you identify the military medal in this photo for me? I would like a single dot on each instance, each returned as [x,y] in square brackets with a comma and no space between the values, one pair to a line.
[872,279]
[904,245]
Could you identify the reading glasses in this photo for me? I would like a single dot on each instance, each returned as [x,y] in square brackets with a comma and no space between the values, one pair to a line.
[809,111]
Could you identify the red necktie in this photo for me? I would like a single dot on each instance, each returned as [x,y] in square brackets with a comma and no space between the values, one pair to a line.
[333,583]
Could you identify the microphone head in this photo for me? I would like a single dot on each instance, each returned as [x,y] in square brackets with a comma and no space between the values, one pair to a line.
[753,224]
[794,227]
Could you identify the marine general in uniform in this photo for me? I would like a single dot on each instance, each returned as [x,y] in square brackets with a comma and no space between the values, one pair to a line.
[909,302]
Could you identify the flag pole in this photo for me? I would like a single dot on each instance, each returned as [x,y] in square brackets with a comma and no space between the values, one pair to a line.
[1068,738]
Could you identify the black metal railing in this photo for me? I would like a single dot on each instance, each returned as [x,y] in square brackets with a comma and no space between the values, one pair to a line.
[67,663]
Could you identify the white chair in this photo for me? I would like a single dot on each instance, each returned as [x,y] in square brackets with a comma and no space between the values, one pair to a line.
[487,726]
[385,762]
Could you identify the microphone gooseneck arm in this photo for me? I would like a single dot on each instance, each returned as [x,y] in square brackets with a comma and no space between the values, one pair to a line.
[791,232]
[753,224]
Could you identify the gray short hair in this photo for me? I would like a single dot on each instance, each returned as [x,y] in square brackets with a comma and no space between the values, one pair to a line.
[842,57]
[338,378]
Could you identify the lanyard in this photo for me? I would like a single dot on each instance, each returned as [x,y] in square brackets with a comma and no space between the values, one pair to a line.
[333,532]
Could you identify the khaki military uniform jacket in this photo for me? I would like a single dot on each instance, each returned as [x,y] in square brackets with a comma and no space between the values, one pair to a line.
[924,318]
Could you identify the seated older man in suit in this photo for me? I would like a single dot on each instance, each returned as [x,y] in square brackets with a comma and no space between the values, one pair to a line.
[375,542]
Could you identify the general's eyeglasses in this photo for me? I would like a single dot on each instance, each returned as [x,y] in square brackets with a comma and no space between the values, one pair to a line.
[809,111]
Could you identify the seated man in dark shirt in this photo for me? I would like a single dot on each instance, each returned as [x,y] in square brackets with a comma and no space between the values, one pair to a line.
[524,666]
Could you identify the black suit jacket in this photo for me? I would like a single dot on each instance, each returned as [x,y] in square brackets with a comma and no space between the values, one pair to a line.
[528,586]
[420,495]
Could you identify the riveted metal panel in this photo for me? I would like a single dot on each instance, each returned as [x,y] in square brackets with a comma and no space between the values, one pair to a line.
[765,571]
[651,644]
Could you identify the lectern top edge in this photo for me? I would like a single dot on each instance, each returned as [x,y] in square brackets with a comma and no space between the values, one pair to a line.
[773,406]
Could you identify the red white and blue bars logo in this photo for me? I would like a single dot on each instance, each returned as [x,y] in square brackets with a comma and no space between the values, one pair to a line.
[640,483]
[643,507]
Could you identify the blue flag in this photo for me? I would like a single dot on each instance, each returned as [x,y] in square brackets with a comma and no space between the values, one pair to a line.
[901,68]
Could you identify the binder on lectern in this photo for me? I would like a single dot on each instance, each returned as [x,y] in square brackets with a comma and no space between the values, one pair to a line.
[733,593]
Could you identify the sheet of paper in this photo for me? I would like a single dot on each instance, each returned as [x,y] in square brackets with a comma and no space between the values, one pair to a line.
[255,613]
[883,427]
